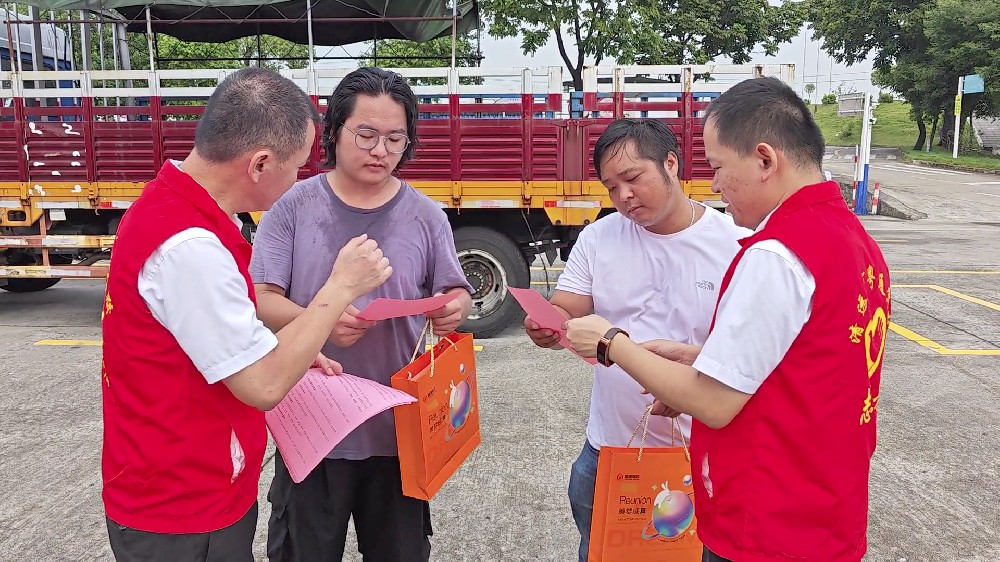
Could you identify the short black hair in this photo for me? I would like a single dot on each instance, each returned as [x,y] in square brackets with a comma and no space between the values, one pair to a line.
[767,110]
[368,81]
[254,108]
[653,141]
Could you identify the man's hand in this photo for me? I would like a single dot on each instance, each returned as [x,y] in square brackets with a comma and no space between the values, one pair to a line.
[674,351]
[349,328]
[327,365]
[584,333]
[360,267]
[677,352]
[540,336]
[446,319]
[661,409]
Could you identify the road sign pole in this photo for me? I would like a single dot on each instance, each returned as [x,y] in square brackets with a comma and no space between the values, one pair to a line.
[958,115]
[861,201]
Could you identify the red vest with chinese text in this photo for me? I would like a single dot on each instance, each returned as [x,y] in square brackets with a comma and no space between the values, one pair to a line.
[787,479]
[179,455]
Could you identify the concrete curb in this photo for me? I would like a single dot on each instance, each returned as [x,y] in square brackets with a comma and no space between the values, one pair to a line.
[945,166]
[888,206]
[891,207]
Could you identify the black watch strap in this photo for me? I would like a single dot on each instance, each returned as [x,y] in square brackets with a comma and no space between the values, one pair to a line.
[604,344]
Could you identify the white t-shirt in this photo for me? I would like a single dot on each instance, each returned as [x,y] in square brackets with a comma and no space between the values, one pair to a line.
[761,313]
[193,287]
[654,287]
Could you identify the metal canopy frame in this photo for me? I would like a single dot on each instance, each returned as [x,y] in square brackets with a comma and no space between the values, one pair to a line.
[328,23]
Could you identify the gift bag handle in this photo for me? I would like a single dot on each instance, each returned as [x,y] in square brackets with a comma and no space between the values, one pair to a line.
[420,340]
[644,422]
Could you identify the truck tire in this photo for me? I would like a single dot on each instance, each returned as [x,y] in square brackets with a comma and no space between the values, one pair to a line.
[25,285]
[491,262]
[29,285]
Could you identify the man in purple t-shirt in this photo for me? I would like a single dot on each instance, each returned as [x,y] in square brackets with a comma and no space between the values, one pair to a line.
[370,131]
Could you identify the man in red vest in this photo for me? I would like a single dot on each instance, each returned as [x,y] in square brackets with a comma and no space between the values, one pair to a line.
[785,389]
[188,368]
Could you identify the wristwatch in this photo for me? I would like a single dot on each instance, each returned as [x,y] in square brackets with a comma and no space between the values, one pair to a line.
[604,344]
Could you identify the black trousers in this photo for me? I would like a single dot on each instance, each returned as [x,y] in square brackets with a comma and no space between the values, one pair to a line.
[709,556]
[231,544]
[309,519]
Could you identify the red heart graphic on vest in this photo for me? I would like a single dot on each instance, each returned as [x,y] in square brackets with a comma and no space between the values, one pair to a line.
[875,340]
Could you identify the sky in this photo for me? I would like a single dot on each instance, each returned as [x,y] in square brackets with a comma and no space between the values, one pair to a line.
[803,51]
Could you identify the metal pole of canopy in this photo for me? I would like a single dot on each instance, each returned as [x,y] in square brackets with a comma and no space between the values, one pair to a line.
[69,46]
[17,38]
[311,84]
[149,40]
[100,44]
[454,29]
[114,48]
[15,64]
[86,57]
[114,55]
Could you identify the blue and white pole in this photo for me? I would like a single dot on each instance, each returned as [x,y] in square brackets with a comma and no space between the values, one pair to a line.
[864,158]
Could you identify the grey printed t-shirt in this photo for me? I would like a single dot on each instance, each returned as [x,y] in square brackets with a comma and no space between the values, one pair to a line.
[296,245]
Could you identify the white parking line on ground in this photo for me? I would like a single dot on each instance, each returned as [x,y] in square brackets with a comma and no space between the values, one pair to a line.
[922,169]
[926,172]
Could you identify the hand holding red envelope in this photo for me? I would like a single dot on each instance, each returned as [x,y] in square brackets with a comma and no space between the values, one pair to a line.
[543,313]
[384,309]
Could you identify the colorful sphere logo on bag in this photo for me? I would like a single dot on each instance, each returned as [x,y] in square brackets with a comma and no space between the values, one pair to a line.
[459,405]
[673,513]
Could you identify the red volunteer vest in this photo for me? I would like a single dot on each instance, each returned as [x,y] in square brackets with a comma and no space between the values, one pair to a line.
[788,477]
[168,456]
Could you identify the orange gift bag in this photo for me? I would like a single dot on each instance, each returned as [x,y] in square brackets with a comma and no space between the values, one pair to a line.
[440,430]
[644,503]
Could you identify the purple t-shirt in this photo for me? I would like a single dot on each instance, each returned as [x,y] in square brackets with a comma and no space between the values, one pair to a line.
[296,245]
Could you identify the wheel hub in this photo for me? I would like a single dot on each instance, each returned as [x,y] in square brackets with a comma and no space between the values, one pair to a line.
[488,279]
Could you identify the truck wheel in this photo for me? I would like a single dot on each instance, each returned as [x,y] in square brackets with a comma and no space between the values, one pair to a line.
[25,285]
[29,285]
[491,262]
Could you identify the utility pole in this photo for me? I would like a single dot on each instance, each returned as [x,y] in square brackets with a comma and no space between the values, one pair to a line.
[864,155]
[958,114]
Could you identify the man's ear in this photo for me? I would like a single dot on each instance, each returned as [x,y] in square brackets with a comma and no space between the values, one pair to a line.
[260,161]
[767,159]
[671,164]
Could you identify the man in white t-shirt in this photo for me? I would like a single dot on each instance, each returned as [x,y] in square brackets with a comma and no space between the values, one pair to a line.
[654,269]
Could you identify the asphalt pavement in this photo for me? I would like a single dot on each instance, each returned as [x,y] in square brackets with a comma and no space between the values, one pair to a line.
[934,482]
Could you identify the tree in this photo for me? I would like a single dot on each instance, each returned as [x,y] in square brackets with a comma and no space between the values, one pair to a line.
[400,53]
[851,30]
[921,48]
[964,36]
[700,31]
[645,31]
[591,24]
[172,53]
[810,88]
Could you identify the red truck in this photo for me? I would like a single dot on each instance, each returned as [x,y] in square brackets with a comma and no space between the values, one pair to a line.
[506,152]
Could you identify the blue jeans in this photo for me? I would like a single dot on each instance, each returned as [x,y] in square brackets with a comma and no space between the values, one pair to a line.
[582,481]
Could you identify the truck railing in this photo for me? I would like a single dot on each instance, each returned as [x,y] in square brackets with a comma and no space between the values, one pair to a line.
[75,145]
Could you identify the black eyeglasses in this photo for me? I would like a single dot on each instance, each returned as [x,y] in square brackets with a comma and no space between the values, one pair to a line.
[368,139]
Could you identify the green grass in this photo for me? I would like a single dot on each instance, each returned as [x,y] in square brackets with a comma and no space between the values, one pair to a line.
[894,127]
[941,156]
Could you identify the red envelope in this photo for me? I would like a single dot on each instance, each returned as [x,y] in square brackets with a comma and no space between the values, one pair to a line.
[383,308]
[543,313]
